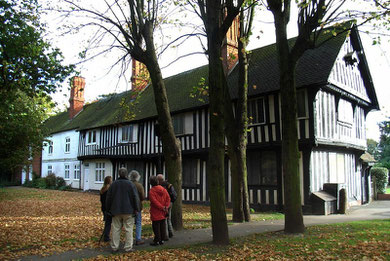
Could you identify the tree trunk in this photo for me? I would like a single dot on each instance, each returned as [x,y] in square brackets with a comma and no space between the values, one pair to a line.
[290,152]
[171,145]
[236,130]
[215,166]
[242,118]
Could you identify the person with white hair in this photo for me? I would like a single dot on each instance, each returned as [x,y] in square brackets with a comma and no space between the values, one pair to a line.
[123,204]
[134,177]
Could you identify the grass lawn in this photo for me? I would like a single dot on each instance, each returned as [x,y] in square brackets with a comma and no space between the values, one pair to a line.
[362,240]
[388,190]
[40,222]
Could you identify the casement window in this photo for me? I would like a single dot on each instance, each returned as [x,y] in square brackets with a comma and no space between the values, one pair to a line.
[67,171]
[50,149]
[100,172]
[262,168]
[190,178]
[49,169]
[91,137]
[128,133]
[256,111]
[178,124]
[67,145]
[76,172]
[301,104]
[345,112]
[183,123]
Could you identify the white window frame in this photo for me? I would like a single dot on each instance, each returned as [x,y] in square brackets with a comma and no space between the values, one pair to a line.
[100,172]
[50,148]
[49,169]
[93,134]
[67,145]
[67,171]
[132,133]
[76,172]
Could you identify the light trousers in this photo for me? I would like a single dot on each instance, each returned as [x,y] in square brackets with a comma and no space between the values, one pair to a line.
[127,221]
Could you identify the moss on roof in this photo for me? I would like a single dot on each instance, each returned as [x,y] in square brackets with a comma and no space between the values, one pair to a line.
[313,68]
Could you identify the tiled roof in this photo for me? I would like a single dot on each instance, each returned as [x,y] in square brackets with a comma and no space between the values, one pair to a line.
[313,68]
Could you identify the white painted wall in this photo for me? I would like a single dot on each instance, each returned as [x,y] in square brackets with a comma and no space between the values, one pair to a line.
[89,182]
[59,158]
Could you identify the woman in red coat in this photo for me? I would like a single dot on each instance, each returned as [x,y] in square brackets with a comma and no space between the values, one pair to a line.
[159,203]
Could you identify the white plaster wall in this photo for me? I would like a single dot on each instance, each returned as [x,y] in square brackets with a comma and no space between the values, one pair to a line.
[59,158]
[90,166]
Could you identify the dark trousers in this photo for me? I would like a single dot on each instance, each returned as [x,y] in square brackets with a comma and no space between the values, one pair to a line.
[107,226]
[159,230]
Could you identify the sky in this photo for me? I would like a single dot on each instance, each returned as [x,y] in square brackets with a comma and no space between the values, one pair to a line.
[101,80]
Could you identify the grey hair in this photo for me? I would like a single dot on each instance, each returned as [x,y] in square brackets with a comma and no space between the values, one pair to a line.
[123,172]
[134,175]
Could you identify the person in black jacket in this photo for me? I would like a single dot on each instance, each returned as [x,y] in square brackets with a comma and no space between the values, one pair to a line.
[123,203]
[106,216]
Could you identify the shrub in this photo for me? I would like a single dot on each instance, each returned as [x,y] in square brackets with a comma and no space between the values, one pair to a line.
[65,187]
[60,182]
[50,181]
[28,184]
[381,178]
[40,183]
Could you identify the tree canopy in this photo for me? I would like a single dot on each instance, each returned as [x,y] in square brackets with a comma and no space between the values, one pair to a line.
[30,70]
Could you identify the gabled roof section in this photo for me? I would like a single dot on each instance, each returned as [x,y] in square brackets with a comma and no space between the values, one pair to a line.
[364,69]
[313,69]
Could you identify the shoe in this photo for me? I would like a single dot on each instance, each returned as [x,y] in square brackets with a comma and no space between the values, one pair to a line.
[170,234]
[114,251]
[161,242]
[130,250]
[141,242]
[154,243]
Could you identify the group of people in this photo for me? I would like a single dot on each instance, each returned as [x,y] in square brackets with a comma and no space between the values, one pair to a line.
[121,204]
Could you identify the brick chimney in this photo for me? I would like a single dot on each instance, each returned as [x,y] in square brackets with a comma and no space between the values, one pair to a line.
[76,99]
[140,76]
[229,50]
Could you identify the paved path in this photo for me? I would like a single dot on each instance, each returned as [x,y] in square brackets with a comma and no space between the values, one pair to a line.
[374,210]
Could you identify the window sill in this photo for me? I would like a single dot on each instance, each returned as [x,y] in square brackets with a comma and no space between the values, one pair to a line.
[183,135]
[128,142]
[256,124]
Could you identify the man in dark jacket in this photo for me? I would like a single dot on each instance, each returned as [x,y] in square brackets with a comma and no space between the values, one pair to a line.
[123,204]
